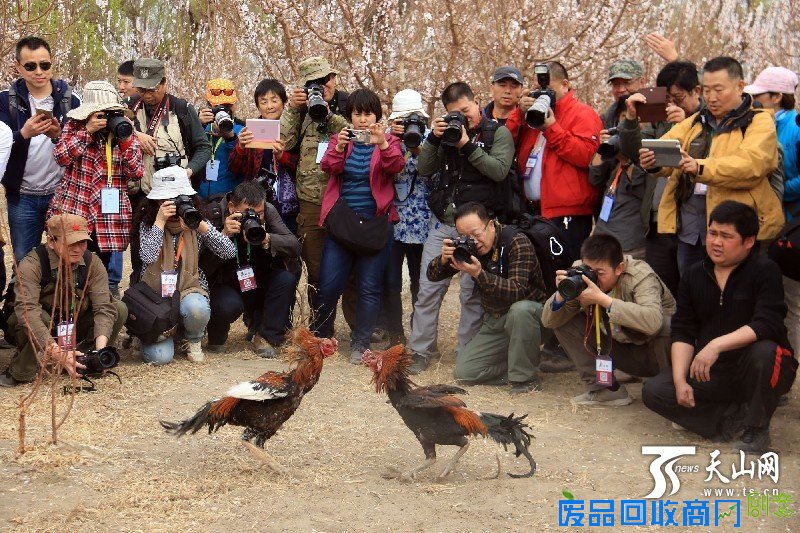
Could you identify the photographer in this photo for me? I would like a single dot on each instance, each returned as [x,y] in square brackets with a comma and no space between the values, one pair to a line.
[469,171]
[625,77]
[509,282]
[222,127]
[262,278]
[100,154]
[173,235]
[633,304]
[99,318]
[506,90]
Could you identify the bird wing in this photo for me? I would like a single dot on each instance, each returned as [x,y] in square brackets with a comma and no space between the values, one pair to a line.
[432,396]
[269,386]
[443,389]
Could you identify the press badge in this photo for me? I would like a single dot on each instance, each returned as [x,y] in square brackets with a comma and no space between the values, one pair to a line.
[608,204]
[247,278]
[321,149]
[530,164]
[169,282]
[64,331]
[212,170]
[109,201]
[700,188]
[604,371]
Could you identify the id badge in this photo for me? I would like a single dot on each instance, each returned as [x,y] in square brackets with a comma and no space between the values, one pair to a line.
[530,164]
[401,190]
[605,211]
[212,170]
[321,149]
[64,332]
[109,201]
[247,278]
[169,282]
[604,371]
[700,188]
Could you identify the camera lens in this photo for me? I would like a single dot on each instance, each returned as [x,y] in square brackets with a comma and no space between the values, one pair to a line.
[538,111]
[186,210]
[108,358]
[412,136]
[571,287]
[121,128]
[461,254]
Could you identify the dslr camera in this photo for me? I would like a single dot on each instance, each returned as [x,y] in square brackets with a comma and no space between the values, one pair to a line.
[545,97]
[573,285]
[414,128]
[465,248]
[187,211]
[267,178]
[170,159]
[610,147]
[223,118]
[252,229]
[317,107]
[452,132]
[117,124]
[98,361]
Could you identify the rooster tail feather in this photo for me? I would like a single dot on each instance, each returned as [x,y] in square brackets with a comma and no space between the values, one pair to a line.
[511,430]
[190,425]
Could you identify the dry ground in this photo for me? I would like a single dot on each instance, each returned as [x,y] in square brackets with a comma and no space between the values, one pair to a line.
[115,469]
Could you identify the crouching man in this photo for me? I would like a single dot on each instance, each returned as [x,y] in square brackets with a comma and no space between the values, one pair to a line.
[731,359]
[633,304]
[99,317]
[509,280]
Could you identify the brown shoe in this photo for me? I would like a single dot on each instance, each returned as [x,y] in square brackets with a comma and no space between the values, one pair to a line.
[263,348]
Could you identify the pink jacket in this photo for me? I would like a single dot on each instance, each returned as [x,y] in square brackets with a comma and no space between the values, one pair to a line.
[382,168]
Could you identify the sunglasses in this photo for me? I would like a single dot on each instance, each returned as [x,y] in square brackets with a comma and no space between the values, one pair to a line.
[31,66]
[226,92]
[323,80]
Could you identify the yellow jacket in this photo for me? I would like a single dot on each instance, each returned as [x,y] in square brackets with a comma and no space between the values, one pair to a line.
[737,168]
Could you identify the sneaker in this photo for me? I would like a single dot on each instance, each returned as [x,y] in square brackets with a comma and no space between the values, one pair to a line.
[783,400]
[419,364]
[194,352]
[263,348]
[755,440]
[615,398]
[356,355]
[555,360]
[624,377]
[679,427]
[524,387]
[7,380]
[216,348]
[378,335]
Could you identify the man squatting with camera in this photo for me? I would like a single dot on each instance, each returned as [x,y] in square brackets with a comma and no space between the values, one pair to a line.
[99,317]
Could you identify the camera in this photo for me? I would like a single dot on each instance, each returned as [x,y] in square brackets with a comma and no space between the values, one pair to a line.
[223,118]
[452,132]
[414,128]
[465,248]
[98,361]
[267,178]
[571,286]
[187,211]
[117,124]
[170,159]
[545,97]
[317,107]
[610,147]
[252,229]
[358,136]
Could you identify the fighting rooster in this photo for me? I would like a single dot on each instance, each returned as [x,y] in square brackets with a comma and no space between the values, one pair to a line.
[263,405]
[437,417]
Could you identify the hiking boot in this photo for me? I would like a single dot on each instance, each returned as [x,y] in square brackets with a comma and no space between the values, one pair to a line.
[356,355]
[608,397]
[216,348]
[755,440]
[194,352]
[378,335]
[419,364]
[263,348]
[730,425]
[7,380]
[524,387]
[396,338]
[555,360]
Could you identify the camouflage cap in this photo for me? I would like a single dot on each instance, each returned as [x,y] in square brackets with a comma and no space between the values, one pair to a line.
[147,73]
[313,68]
[627,69]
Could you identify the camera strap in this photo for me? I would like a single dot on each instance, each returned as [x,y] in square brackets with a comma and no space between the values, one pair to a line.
[178,253]
[235,241]
[158,114]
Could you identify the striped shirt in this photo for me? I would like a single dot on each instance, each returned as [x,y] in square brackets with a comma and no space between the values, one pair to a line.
[355,180]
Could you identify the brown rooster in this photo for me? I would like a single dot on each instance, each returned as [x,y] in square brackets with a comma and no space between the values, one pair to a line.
[437,417]
[263,405]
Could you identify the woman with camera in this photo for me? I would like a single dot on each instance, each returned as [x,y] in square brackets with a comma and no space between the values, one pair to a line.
[173,234]
[99,154]
[358,212]
[274,167]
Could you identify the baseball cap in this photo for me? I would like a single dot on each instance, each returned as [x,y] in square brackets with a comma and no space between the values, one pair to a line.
[774,80]
[147,73]
[508,71]
[71,227]
[626,69]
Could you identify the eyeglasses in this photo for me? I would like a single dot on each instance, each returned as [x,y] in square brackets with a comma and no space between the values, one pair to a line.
[217,92]
[31,66]
[480,233]
[677,98]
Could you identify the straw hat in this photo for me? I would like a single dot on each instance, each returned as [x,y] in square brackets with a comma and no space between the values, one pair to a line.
[97,96]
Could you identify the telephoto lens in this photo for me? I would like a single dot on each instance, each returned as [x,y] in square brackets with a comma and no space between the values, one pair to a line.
[252,229]
[537,113]
[317,107]
[223,118]
[414,125]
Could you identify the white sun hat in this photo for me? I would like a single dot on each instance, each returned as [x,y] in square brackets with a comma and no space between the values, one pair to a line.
[170,182]
[406,102]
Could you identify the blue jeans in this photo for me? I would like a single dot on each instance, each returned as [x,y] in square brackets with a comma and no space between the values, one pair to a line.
[335,267]
[115,269]
[195,313]
[688,255]
[26,223]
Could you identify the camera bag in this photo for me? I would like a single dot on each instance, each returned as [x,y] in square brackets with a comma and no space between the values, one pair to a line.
[149,314]
[359,235]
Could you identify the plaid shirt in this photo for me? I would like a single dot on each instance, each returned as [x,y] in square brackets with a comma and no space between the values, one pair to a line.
[523,282]
[83,155]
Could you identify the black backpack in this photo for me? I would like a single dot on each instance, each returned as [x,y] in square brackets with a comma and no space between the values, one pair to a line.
[785,249]
[548,241]
[509,191]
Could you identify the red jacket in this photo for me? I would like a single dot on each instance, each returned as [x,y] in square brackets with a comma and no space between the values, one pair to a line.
[571,143]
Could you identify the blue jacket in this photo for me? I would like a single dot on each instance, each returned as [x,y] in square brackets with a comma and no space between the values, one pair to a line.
[226,180]
[789,136]
[19,150]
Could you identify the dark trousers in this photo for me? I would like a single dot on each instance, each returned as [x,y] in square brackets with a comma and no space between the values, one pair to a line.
[138,201]
[576,229]
[661,253]
[270,306]
[392,312]
[755,379]
[105,257]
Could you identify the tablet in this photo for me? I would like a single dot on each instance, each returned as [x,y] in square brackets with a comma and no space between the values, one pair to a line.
[668,151]
[265,132]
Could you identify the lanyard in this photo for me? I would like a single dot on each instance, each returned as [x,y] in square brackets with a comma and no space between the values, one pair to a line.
[157,114]
[108,157]
[214,148]
[236,245]
[613,189]
[597,328]
[180,249]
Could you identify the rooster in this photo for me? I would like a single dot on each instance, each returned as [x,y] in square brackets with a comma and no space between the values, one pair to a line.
[262,406]
[437,417]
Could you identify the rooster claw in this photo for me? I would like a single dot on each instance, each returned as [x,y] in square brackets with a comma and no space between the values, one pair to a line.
[262,456]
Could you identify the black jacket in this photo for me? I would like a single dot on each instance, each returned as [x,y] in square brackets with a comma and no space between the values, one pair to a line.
[753,296]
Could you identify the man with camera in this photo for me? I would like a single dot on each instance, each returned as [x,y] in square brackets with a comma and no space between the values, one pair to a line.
[506,90]
[508,279]
[608,292]
[625,77]
[262,278]
[472,155]
[61,271]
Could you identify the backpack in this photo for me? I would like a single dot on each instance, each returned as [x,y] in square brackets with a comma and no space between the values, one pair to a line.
[785,249]
[508,190]
[776,177]
[548,241]
[13,105]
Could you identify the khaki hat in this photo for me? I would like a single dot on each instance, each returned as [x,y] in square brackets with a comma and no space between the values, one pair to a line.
[313,68]
[148,73]
[97,96]
[222,87]
[71,227]
[626,69]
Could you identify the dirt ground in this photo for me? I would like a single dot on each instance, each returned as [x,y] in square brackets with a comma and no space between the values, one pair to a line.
[116,470]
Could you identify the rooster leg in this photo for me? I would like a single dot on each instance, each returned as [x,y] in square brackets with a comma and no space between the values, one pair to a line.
[452,463]
[262,456]
[412,474]
[499,468]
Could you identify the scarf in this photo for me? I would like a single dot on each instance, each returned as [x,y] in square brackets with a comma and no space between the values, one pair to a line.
[187,268]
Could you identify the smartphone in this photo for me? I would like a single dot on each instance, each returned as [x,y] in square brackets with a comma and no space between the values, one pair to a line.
[358,136]
[668,151]
[45,112]
[655,109]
